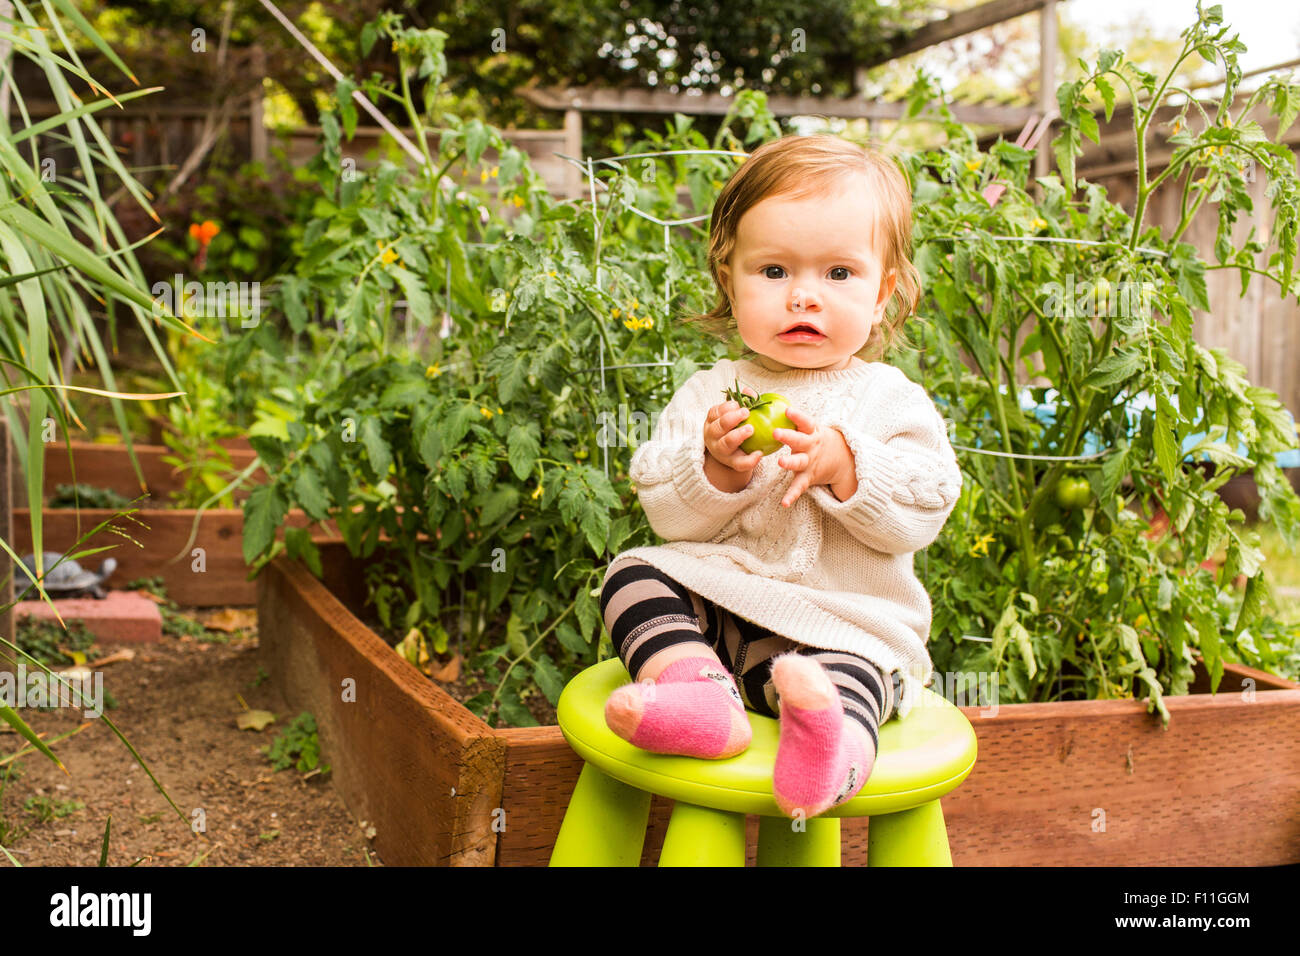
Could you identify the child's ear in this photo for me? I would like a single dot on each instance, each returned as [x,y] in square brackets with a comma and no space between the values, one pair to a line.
[887,285]
[724,276]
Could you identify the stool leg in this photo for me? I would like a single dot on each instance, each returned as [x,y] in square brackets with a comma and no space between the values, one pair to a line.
[779,844]
[605,823]
[699,836]
[916,837]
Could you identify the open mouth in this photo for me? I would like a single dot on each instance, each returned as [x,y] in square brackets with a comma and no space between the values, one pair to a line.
[803,329]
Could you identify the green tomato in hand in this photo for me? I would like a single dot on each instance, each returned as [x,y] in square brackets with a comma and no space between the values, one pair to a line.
[766,414]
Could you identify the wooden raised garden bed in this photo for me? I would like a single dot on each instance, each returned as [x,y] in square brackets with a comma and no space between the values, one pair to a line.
[1088,783]
[109,466]
[224,578]
[221,580]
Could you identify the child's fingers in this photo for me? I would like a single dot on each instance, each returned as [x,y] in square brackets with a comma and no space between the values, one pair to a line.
[794,491]
[738,436]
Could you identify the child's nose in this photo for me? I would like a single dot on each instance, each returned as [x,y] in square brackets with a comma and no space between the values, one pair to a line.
[803,300]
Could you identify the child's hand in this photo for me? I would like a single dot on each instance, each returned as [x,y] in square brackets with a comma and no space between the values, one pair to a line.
[723,435]
[819,456]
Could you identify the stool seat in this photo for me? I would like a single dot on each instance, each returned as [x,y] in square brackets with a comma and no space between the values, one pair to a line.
[921,757]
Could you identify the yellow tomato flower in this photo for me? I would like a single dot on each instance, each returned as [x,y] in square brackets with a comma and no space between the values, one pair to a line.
[487,412]
[1199,182]
[1040,223]
[499,412]
[974,164]
[483,177]
[389,256]
[518,201]
[649,323]
[629,323]
[537,493]
[981,545]
[432,371]
[495,169]
[552,273]
[1177,126]
[615,312]
[635,305]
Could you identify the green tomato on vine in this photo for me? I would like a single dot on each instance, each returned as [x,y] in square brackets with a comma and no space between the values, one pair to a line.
[1072,493]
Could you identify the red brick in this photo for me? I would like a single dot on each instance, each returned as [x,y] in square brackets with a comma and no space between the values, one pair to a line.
[121,616]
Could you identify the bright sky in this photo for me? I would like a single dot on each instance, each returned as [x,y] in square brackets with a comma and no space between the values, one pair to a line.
[1270,30]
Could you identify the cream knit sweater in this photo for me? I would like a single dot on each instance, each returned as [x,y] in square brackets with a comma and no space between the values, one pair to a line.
[823,572]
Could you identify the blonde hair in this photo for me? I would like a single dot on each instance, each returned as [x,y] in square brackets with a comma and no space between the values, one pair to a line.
[798,166]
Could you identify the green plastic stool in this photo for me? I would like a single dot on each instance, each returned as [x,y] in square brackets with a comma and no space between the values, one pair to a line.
[922,757]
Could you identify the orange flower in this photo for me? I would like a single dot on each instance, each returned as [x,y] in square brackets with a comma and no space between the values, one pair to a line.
[207,231]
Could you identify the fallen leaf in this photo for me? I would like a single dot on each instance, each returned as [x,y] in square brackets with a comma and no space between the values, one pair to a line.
[231,619]
[413,648]
[125,654]
[254,719]
[448,672]
[151,596]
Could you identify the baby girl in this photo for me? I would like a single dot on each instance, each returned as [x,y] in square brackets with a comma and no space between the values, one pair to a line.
[786,581]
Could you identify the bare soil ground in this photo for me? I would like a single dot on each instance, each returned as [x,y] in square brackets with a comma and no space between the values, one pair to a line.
[176,703]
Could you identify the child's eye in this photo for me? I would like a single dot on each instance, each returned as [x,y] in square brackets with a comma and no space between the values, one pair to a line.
[765,272]
[840,269]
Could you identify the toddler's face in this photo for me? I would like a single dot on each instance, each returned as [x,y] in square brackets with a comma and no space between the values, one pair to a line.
[808,262]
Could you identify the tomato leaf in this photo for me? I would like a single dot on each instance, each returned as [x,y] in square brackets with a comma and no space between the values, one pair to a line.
[523,446]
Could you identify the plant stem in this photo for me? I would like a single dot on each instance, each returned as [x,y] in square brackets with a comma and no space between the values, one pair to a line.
[1144,189]
[540,637]
[1026,540]
[415,119]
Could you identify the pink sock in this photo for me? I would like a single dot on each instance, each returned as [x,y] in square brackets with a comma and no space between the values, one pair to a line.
[693,709]
[822,759]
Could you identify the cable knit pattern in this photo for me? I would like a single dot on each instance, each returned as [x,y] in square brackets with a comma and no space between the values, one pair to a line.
[826,573]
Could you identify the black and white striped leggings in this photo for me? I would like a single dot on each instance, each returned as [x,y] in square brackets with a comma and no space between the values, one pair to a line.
[647,611]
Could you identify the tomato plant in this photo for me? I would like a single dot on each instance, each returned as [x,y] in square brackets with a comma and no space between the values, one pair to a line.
[1045,584]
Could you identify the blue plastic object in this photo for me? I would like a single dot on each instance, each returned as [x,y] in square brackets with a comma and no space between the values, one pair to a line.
[1045,412]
